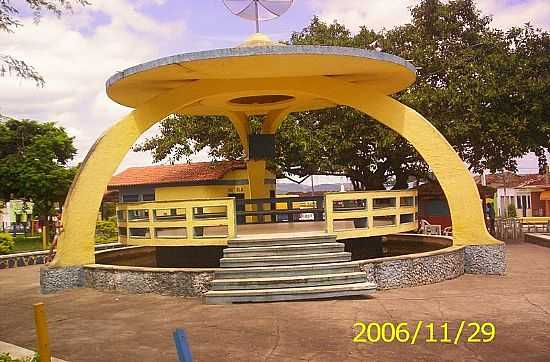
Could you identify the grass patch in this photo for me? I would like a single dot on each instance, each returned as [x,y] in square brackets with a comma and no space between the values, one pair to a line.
[23,244]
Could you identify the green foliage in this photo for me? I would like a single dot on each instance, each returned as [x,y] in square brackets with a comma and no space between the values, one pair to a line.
[33,162]
[486,90]
[6,357]
[511,210]
[6,243]
[106,231]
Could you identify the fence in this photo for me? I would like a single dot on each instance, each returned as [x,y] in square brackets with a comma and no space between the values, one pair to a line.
[514,228]
[370,213]
[189,222]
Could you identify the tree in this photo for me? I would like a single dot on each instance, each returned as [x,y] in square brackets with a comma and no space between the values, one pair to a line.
[486,90]
[10,20]
[33,163]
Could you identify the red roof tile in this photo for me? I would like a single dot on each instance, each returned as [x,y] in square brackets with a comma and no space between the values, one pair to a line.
[513,180]
[174,174]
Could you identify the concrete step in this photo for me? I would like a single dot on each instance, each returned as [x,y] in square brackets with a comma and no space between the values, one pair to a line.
[270,295]
[289,282]
[280,240]
[292,249]
[286,271]
[298,259]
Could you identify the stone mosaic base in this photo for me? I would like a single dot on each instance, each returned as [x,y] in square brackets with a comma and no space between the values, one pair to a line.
[178,283]
[402,272]
[387,273]
[55,279]
[485,259]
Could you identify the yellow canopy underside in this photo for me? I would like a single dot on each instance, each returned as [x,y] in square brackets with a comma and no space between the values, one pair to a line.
[384,75]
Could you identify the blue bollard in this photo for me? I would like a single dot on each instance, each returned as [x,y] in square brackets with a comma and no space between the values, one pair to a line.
[184,352]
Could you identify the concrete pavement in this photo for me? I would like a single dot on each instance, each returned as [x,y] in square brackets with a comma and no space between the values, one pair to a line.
[88,325]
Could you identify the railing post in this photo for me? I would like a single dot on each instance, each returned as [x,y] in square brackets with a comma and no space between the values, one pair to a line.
[329,221]
[150,219]
[231,218]
[370,210]
[397,210]
[189,221]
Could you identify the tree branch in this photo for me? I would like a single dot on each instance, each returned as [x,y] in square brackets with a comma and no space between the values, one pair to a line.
[20,69]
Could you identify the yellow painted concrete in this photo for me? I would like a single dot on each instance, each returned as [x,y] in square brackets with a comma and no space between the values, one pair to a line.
[300,77]
[242,126]
[273,121]
[76,242]
[224,226]
[136,89]
[369,212]
[256,170]
[196,192]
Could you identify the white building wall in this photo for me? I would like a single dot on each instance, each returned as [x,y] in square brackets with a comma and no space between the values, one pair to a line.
[512,198]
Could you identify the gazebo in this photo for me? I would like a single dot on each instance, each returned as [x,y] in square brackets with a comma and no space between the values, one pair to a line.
[262,78]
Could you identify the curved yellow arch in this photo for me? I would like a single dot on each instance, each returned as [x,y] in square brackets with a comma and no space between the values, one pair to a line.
[76,244]
[455,179]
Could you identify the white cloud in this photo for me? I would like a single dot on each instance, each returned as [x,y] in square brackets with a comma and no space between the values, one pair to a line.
[76,63]
[380,14]
[506,14]
[375,14]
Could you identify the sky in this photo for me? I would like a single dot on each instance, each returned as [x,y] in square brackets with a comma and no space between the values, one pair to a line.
[77,53]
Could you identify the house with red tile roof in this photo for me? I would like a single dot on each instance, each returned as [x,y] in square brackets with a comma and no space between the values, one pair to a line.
[529,193]
[184,181]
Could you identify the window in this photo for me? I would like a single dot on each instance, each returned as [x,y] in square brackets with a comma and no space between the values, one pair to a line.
[138,215]
[381,203]
[170,214]
[148,197]
[528,201]
[130,198]
[384,220]
[524,202]
[349,205]
[519,202]
[406,218]
[140,233]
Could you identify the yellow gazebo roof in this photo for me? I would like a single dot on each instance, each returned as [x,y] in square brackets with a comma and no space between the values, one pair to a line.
[383,72]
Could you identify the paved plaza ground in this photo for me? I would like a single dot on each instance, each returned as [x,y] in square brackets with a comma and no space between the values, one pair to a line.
[87,325]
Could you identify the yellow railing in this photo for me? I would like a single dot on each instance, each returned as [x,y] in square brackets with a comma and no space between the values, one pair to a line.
[371,213]
[534,219]
[167,223]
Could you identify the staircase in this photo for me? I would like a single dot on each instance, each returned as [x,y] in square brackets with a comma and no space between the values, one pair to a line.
[275,268]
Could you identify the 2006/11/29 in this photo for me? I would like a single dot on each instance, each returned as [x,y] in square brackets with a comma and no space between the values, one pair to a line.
[374,332]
